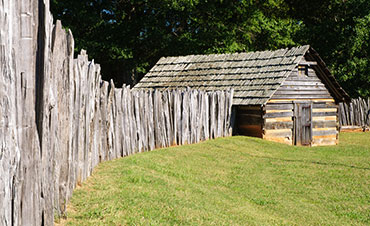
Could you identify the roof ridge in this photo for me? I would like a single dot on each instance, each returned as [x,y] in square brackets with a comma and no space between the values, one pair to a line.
[262,70]
[236,53]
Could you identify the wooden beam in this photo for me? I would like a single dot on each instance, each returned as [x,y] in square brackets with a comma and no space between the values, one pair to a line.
[282,119]
[307,99]
[308,63]
[325,136]
[278,133]
[316,132]
[278,125]
[330,113]
[323,118]
[324,124]
[324,110]
[283,140]
[278,111]
[278,106]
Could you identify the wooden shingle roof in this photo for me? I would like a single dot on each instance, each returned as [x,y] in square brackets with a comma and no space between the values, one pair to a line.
[254,76]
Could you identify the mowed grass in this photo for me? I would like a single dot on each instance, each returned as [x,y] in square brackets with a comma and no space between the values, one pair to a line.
[231,181]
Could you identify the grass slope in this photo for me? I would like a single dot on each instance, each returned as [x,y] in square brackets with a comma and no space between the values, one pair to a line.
[231,181]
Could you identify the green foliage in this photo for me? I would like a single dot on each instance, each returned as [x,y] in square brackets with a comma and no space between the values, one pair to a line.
[231,181]
[127,37]
[356,71]
[339,30]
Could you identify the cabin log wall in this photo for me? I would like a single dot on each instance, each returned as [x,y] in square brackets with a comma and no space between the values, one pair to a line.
[278,112]
[278,122]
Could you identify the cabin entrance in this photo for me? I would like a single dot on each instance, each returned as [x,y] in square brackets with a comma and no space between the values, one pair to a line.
[302,123]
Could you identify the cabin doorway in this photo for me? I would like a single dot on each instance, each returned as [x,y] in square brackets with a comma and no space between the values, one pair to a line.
[302,123]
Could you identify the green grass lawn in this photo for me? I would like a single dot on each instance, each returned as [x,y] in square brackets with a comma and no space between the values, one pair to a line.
[231,181]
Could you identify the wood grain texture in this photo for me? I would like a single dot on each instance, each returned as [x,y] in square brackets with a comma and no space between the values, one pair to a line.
[254,76]
[302,89]
[59,120]
[355,113]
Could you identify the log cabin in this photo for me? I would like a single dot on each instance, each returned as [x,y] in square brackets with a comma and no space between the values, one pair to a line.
[286,95]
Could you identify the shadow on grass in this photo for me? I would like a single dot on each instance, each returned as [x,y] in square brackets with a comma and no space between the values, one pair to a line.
[312,162]
[300,161]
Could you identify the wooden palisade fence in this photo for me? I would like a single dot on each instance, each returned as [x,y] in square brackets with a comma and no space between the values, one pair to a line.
[58,119]
[355,113]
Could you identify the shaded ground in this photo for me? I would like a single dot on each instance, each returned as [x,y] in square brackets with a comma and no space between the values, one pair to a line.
[231,181]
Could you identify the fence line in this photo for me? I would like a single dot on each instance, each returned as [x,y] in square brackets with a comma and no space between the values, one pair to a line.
[355,113]
[101,122]
[58,119]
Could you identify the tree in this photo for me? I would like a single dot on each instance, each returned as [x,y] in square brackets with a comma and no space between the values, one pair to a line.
[339,30]
[127,37]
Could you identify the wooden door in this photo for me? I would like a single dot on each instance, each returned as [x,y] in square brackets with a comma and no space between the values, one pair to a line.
[302,124]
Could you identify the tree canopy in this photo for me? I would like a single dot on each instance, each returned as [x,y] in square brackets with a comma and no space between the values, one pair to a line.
[127,37]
